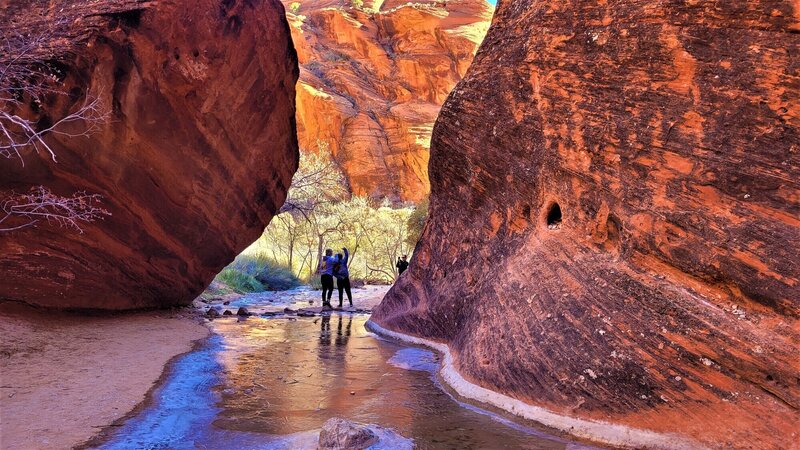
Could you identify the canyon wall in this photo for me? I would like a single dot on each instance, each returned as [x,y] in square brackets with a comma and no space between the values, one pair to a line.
[372,80]
[195,156]
[614,226]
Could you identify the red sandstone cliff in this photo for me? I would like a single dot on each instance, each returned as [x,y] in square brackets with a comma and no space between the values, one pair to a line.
[195,158]
[372,81]
[668,297]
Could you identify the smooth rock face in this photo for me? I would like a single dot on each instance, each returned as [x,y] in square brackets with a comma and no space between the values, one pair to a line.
[371,84]
[193,162]
[340,434]
[667,295]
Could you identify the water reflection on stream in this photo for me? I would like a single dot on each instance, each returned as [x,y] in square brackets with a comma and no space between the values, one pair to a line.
[272,383]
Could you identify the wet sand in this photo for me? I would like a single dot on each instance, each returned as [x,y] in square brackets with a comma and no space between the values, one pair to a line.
[65,377]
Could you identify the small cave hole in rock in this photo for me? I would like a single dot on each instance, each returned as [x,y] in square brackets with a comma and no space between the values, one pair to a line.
[613,234]
[128,18]
[554,217]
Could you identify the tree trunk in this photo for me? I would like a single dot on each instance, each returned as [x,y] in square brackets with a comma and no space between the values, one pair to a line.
[320,243]
[291,253]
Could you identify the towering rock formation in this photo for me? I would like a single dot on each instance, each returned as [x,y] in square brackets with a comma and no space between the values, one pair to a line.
[372,80]
[615,219]
[193,161]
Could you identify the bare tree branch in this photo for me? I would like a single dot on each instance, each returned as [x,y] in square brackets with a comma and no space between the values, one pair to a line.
[39,204]
[18,134]
[28,79]
[388,275]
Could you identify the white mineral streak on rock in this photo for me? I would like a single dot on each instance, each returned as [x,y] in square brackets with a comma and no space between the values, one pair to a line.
[598,431]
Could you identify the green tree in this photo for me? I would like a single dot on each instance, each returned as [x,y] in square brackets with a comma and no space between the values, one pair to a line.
[319,212]
[307,219]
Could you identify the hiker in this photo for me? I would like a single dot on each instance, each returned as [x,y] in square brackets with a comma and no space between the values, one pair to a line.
[402,265]
[343,276]
[326,270]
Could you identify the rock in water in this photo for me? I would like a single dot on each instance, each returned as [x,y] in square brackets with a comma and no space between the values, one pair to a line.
[340,434]
[613,228]
[242,311]
[372,81]
[193,162]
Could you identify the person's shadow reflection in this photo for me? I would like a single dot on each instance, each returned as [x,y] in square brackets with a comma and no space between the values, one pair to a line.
[343,337]
[325,331]
[338,350]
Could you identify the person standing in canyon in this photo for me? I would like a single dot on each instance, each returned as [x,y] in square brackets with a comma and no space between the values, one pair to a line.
[326,270]
[402,265]
[343,276]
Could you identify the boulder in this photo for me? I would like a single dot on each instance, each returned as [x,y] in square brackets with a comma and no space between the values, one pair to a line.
[613,230]
[340,434]
[242,311]
[199,142]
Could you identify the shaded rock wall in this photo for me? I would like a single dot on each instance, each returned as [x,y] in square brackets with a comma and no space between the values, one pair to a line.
[668,297]
[193,162]
[372,82]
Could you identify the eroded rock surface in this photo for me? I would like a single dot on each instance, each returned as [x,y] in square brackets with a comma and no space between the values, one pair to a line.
[195,158]
[666,297]
[372,81]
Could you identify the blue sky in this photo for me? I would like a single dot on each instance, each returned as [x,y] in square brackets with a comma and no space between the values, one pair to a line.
[491,2]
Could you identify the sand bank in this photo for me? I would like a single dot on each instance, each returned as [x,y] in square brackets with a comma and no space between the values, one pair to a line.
[64,377]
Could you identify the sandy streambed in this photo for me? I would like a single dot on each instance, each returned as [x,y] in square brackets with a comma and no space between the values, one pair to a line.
[64,377]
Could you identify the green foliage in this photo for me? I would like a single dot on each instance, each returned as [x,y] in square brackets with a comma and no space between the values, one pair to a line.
[294,7]
[319,214]
[374,234]
[315,282]
[276,277]
[257,273]
[240,281]
[357,4]
[216,289]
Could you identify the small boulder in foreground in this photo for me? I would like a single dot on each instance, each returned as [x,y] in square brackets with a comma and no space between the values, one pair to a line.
[340,434]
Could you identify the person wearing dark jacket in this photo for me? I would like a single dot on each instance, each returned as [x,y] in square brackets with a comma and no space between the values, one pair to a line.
[402,265]
[325,269]
[343,276]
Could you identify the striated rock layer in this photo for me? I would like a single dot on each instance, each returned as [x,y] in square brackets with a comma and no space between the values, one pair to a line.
[668,296]
[372,81]
[195,158]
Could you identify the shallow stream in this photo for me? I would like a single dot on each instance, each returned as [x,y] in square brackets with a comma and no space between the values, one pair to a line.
[271,382]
